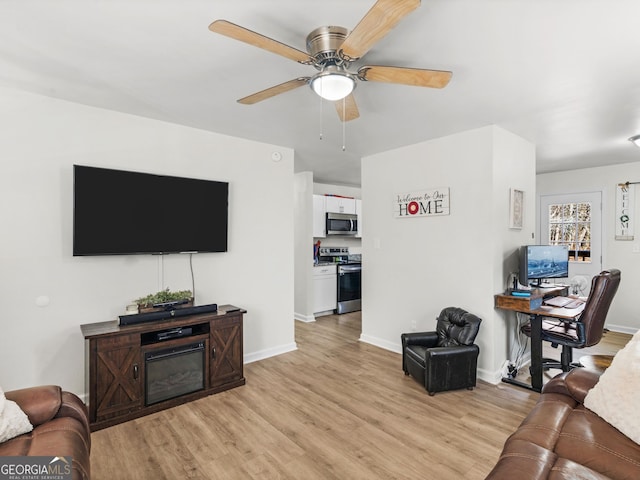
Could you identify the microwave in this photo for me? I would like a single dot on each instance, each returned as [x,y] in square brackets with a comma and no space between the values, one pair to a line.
[342,223]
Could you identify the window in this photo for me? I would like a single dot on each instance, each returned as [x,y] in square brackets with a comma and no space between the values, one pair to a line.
[551,212]
[570,224]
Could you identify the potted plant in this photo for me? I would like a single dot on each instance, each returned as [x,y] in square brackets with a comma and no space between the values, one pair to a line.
[154,301]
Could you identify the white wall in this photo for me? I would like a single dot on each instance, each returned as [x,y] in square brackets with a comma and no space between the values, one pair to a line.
[41,139]
[303,252]
[418,266]
[623,315]
[513,167]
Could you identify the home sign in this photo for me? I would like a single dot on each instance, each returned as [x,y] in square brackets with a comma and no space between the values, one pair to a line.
[428,203]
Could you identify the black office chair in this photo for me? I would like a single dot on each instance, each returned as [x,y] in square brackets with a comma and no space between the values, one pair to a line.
[587,330]
[446,359]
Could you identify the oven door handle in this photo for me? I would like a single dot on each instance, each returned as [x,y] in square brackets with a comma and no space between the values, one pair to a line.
[349,269]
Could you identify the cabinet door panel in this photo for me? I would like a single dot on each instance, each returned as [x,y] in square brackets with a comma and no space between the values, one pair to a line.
[226,361]
[325,295]
[319,217]
[340,204]
[118,372]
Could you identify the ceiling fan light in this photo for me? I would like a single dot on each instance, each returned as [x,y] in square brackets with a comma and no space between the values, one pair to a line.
[635,140]
[333,85]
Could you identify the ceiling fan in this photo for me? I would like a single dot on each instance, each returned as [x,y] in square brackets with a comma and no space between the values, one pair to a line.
[332,49]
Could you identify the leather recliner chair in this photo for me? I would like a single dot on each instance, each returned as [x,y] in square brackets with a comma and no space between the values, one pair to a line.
[60,428]
[446,359]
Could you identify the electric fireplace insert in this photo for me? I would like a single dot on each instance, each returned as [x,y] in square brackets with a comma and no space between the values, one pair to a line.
[172,372]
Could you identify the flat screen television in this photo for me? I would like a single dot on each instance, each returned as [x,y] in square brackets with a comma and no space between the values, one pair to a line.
[540,262]
[117,212]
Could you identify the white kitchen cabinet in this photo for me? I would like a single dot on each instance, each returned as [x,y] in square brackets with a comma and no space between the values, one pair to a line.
[319,216]
[325,289]
[359,214]
[340,204]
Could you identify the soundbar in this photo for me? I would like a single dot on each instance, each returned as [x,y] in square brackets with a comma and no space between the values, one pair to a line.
[165,314]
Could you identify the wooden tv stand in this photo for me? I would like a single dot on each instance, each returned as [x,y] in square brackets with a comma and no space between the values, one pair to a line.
[115,359]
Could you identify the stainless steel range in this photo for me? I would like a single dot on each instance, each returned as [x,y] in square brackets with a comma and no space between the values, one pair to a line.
[349,284]
[349,288]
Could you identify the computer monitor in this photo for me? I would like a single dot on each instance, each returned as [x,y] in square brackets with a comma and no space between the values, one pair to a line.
[539,262]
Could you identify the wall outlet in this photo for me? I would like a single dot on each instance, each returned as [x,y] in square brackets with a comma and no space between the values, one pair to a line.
[414,326]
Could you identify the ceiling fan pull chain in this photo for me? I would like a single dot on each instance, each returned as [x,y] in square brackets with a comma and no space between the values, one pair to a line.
[321,115]
[344,123]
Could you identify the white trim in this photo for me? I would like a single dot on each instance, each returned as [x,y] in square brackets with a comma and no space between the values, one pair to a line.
[484,375]
[304,318]
[492,377]
[598,235]
[621,329]
[604,205]
[269,352]
[379,342]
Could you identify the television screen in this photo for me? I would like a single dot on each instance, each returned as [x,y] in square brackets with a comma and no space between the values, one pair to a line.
[117,212]
[539,262]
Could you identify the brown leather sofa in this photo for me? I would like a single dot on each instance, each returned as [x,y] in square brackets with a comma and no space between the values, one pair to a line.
[561,439]
[60,427]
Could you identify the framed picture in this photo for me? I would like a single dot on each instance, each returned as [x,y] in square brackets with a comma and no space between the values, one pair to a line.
[516,208]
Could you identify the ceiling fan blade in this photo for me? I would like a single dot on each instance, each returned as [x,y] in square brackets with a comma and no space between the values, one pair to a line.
[273,91]
[408,76]
[348,110]
[252,38]
[378,21]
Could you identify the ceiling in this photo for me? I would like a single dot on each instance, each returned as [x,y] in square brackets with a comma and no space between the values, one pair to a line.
[561,74]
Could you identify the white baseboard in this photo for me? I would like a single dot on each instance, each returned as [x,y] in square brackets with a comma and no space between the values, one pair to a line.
[311,318]
[269,352]
[622,329]
[378,342]
[304,318]
[492,377]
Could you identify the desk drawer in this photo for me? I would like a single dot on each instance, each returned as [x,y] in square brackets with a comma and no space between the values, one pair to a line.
[519,304]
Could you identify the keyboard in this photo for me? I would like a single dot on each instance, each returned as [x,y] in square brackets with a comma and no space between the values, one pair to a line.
[557,301]
[566,302]
[575,303]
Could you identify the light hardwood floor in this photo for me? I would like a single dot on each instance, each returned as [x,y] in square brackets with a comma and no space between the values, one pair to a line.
[336,408]
[611,342]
